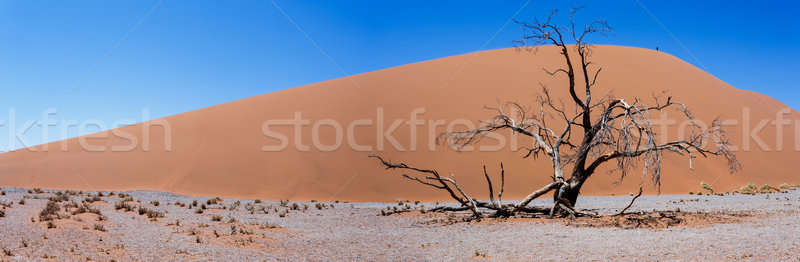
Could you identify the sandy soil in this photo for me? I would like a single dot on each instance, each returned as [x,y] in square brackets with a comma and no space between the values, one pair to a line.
[760,227]
[218,150]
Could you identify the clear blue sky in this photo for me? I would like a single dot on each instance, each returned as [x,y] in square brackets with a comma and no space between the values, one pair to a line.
[108,60]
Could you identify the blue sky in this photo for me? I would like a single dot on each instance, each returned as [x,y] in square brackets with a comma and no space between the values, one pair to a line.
[110,60]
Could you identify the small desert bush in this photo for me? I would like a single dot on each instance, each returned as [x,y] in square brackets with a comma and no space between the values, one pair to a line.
[85,208]
[70,204]
[194,203]
[707,187]
[235,205]
[2,213]
[155,203]
[50,211]
[36,191]
[99,227]
[766,188]
[8,252]
[150,213]
[59,197]
[213,201]
[198,211]
[295,206]
[749,189]
[285,203]
[22,201]
[257,201]
[92,199]
[216,218]
[51,225]
[123,205]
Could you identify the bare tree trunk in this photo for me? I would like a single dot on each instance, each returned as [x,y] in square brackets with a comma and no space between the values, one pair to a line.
[571,189]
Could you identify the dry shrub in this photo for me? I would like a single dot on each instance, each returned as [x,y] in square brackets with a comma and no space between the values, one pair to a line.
[59,197]
[93,199]
[123,205]
[150,213]
[85,208]
[50,211]
[213,201]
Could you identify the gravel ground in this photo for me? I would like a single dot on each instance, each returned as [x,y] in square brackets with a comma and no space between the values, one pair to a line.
[355,232]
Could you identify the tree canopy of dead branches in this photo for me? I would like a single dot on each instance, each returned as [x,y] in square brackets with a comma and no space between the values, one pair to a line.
[596,131]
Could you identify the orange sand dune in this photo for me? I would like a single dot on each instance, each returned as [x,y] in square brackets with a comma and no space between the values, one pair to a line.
[218,150]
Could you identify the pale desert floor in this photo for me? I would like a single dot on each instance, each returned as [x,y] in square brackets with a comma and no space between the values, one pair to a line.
[739,227]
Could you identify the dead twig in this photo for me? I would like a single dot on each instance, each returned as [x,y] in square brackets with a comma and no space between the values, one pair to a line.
[630,204]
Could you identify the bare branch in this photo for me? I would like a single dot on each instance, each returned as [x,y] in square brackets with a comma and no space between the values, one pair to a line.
[537,194]
[631,203]
[502,182]
[489,182]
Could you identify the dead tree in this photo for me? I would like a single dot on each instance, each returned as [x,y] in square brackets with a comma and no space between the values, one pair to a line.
[597,132]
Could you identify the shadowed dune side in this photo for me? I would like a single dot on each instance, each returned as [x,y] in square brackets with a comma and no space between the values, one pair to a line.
[218,150]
